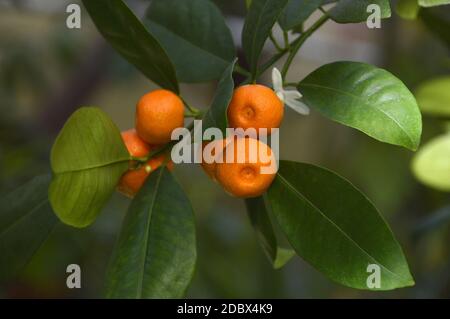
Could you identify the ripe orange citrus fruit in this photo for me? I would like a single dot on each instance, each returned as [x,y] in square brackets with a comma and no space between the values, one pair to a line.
[242,173]
[158,113]
[132,180]
[255,106]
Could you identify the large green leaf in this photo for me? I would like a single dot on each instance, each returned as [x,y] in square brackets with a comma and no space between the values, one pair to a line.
[433,96]
[367,98]
[431,165]
[195,36]
[335,227]
[156,254]
[296,12]
[259,217]
[355,11]
[407,9]
[87,160]
[432,3]
[216,116]
[26,220]
[260,19]
[128,36]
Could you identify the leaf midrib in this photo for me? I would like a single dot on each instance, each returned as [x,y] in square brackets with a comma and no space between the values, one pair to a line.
[365,103]
[258,21]
[296,192]
[94,166]
[147,231]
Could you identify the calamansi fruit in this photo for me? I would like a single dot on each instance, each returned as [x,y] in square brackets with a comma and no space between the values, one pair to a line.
[255,106]
[132,180]
[158,113]
[249,168]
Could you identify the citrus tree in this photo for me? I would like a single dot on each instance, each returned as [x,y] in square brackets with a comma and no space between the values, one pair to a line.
[327,221]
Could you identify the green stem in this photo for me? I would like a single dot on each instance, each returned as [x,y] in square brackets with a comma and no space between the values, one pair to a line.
[267,65]
[197,114]
[296,45]
[287,44]
[275,43]
[190,108]
[241,70]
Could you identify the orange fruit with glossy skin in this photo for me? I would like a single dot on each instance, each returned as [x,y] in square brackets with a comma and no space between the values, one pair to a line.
[132,180]
[249,168]
[134,144]
[158,113]
[209,156]
[255,106]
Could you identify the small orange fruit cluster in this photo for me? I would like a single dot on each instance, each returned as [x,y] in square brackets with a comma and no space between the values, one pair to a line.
[158,113]
[238,163]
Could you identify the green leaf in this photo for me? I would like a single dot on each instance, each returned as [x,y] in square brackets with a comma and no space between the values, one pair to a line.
[432,3]
[88,159]
[431,165]
[259,217]
[260,19]
[355,11]
[433,96]
[296,12]
[26,220]
[216,116]
[407,9]
[155,255]
[195,36]
[333,226]
[367,98]
[128,36]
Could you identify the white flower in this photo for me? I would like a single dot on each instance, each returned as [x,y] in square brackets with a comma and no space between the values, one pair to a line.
[289,97]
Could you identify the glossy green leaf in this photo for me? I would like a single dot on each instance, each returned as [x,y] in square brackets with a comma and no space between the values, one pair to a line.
[296,12]
[216,116]
[407,9]
[432,3]
[259,217]
[260,19]
[431,165]
[156,254]
[333,226]
[195,36]
[433,96]
[367,98]
[355,11]
[87,160]
[26,220]
[128,36]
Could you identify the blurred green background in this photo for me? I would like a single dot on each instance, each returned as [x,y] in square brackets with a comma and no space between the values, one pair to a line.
[47,71]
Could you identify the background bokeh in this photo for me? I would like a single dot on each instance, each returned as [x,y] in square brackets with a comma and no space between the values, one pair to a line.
[47,71]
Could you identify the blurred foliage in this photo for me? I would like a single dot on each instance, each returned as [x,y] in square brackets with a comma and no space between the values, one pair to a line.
[35,61]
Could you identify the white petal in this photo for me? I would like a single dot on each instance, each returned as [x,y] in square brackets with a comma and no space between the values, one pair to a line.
[292,95]
[297,106]
[277,80]
[280,95]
